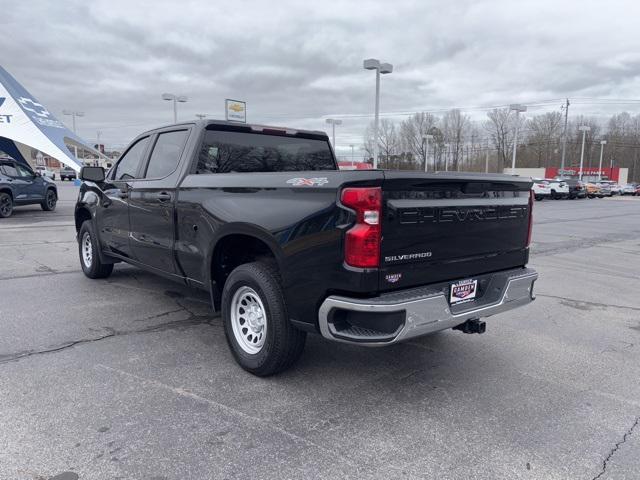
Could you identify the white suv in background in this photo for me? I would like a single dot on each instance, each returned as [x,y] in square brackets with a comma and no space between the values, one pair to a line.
[559,189]
[540,189]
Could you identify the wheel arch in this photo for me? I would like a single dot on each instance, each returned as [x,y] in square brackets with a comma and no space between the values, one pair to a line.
[235,245]
[81,215]
[7,190]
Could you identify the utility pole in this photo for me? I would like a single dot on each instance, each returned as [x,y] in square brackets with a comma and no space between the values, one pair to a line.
[564,135]
[99,152]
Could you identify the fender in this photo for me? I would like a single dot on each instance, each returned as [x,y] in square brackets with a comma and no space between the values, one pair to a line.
[88,202]
[241,228]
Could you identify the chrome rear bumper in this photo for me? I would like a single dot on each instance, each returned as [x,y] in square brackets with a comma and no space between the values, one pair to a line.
[425,310]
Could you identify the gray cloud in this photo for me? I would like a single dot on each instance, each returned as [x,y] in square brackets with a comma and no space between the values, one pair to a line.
[295,63]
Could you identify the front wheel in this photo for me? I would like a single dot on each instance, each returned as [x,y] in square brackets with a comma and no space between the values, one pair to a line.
[256,323]
[50,201]
[88,251]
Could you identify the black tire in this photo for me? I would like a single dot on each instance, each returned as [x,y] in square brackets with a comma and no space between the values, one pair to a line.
[50,201]
[6,205]
[92,268]
[538,197]
[283,343]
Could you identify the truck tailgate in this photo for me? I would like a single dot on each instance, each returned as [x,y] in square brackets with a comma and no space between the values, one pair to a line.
[446,226]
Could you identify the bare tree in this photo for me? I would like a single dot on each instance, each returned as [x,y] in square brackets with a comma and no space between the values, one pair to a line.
[412,132]
[501,128]
[454,126]
[388,142]
[544,136]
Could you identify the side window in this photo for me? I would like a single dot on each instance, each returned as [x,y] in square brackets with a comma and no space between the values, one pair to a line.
[23,172]
[166,154]
[9,170]
[128,165]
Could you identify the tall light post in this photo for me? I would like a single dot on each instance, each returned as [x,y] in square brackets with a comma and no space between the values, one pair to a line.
[446,157]
[584,129]
[425,146]
[352,160]
[74,114]
[374,64]
[517,108]
[486,158]
[602,144]
[170,97]
[333,122]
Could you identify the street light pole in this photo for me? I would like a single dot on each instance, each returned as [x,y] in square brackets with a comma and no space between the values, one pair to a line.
[380,68]
[446,157]
[175,99]
[74,114]
[425,146]
[518,108]
[602,144]
[333,122]
[584,129]
[564,136]
[352,161]
[486,158]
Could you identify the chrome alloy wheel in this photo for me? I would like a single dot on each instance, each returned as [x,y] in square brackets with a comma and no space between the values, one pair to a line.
[87,250]
[248,320]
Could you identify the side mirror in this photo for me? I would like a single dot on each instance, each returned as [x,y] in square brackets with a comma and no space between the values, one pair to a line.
[92,174]
[37,173]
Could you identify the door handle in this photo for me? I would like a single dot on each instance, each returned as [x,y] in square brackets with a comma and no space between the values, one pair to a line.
[163,197]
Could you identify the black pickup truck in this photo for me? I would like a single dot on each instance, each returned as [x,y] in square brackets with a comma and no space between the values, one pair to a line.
[261,218]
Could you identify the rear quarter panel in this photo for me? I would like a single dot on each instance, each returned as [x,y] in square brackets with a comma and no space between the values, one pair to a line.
[299,220]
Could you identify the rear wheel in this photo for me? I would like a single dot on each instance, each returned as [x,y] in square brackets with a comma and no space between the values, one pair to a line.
[6,205]
[50,201]
[88,251]
[256,322]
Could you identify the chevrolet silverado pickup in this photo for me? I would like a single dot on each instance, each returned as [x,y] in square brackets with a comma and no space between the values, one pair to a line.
[286,244]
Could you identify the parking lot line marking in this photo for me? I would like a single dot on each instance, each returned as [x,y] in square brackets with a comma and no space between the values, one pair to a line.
[198,398]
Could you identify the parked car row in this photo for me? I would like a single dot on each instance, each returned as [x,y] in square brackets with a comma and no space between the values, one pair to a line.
[572,188]
[557,189]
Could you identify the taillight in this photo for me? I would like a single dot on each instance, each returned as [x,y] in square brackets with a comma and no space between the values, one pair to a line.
[362,241]
[530,227]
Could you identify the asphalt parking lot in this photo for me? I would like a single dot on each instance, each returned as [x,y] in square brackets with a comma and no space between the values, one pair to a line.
[131,377]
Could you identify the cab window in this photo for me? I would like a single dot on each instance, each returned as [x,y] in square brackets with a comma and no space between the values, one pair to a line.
[166,153]
[127,167]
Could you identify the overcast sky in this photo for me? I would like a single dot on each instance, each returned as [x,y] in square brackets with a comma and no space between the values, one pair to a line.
[297,63]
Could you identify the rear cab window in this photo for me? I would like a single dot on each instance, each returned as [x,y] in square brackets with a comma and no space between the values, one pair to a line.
[240,151]
[166,153]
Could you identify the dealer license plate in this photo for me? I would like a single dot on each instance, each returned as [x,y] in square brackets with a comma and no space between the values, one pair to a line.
[463,291]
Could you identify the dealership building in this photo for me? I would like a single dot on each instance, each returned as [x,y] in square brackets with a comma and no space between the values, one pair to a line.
[617,174]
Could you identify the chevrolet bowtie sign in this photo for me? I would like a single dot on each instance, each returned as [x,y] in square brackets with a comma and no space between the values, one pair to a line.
[236,111]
